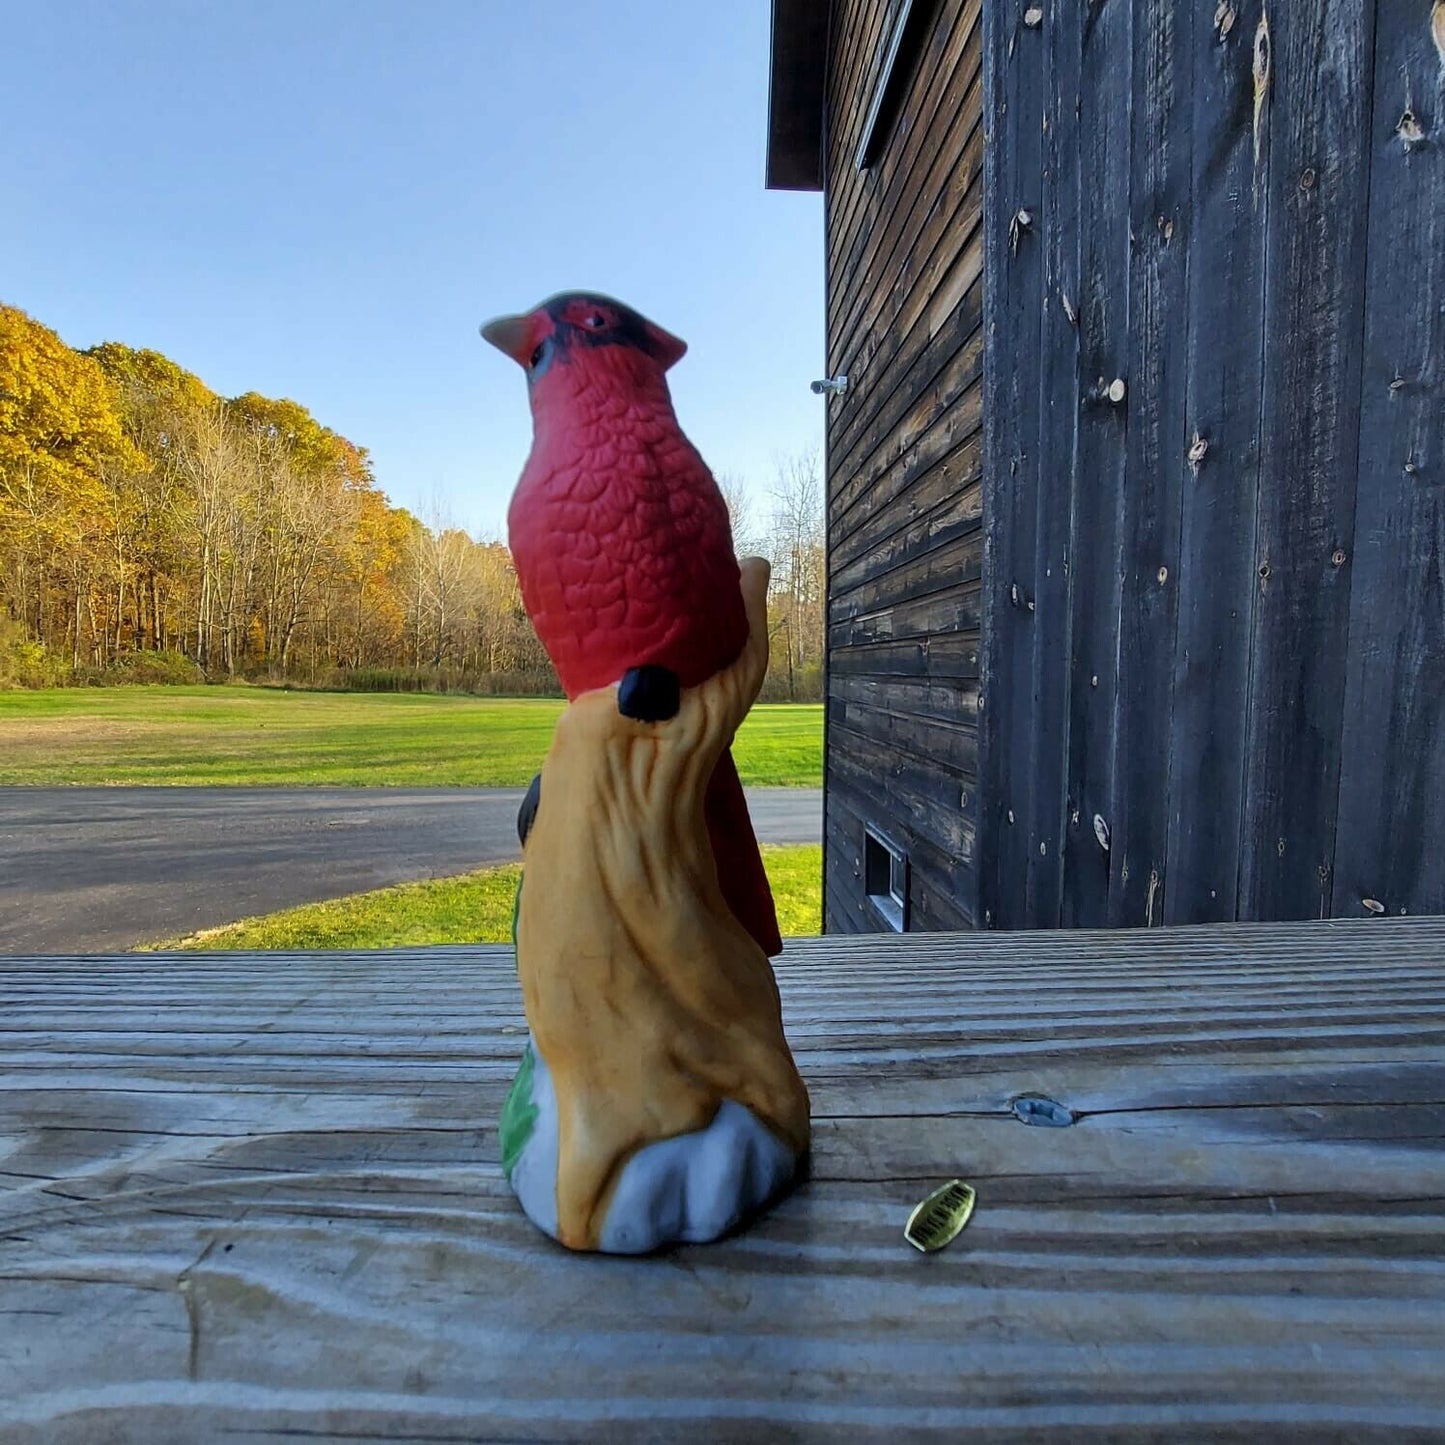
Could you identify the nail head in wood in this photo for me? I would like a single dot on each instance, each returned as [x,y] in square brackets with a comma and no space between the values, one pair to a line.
[1040,1110]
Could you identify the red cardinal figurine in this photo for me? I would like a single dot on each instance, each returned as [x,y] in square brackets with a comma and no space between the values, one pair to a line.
[622,542]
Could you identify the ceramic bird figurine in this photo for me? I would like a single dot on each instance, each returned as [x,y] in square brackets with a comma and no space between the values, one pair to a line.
[622,542]
[657,1101]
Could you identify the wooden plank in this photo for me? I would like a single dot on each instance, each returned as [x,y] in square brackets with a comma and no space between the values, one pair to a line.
[905,46]
[951,512]
[1051,624]
[912,413]
[937,886]
[955,436]
[949,304]
[865,197]
[1217,565]
[912,177]
[1096,523]
[1162,160]
[956,477]
[935,803]
[1013,302]
[261,1195]
[843,35]
[910,305]
[946,701]
[947,565]
[847,110]
[948,655]
[949,743]
[845,903]
[941,879]
[919,232]
[853,34]
[956,609]
[1319,113]
[1390,841]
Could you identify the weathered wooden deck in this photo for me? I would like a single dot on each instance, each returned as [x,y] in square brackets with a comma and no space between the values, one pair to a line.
[259,1196]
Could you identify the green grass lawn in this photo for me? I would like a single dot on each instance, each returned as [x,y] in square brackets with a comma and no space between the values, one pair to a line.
[475,908]
[232,736]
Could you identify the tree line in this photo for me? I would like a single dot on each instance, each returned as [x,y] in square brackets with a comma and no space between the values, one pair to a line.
[151,529]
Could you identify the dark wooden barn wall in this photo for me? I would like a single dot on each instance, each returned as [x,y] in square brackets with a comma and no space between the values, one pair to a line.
[905,546]
[1214,613]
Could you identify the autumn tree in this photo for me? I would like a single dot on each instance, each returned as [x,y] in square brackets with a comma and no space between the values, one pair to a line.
[796,546]
[60,431]
[140,512]
[159,403]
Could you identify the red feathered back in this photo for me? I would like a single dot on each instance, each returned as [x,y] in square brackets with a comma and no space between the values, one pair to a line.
[620,535]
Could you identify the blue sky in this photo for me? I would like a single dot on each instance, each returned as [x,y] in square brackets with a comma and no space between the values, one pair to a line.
[323,200]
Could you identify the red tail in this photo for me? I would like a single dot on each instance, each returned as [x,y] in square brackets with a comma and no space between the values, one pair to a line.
[739,864]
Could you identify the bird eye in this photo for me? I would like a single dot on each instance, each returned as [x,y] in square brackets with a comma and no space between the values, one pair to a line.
[537,354]
[595,321]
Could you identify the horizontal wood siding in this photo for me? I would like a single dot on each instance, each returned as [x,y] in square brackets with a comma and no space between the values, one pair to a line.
[905,502]
[1213,661]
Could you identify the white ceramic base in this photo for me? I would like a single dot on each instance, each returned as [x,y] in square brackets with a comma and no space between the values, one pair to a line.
[687,1190]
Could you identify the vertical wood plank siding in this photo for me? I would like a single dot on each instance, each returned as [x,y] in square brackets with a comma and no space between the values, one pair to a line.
[1318,115]
[905,547]
[1213,602]
[1223,324]
[1389,843]
[1011,418]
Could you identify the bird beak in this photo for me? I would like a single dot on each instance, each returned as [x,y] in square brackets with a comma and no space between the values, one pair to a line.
[512,335]
[670,349]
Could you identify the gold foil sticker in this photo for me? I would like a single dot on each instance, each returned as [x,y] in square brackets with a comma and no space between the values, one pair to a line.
[939,1218]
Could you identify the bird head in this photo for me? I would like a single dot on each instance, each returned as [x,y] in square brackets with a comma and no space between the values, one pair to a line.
[579,331]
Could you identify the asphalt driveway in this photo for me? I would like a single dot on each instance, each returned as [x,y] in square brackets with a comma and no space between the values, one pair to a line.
[98,870]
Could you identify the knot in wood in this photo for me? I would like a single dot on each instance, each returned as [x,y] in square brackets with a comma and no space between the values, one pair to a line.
[1410,130]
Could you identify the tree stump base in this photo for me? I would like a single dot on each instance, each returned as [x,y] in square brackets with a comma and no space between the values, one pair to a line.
[657,1101]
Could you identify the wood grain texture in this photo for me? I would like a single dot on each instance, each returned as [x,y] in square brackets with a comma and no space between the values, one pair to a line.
[1319,115]
[905,289]
[259,1196]
[1161,236]
[1390,839]
[1051,622]
[1224,328]
[1016,223]
[1096,557]
[1213,600]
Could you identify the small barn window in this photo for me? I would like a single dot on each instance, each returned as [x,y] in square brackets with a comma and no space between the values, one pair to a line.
[885,879]
[904,46]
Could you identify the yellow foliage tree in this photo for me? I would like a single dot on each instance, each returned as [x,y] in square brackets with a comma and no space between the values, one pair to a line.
[60,429]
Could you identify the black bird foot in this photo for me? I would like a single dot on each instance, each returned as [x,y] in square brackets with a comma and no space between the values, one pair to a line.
[527,813]
[649,694]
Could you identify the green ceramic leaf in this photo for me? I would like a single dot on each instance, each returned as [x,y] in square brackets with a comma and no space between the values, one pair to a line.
[519,1115]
